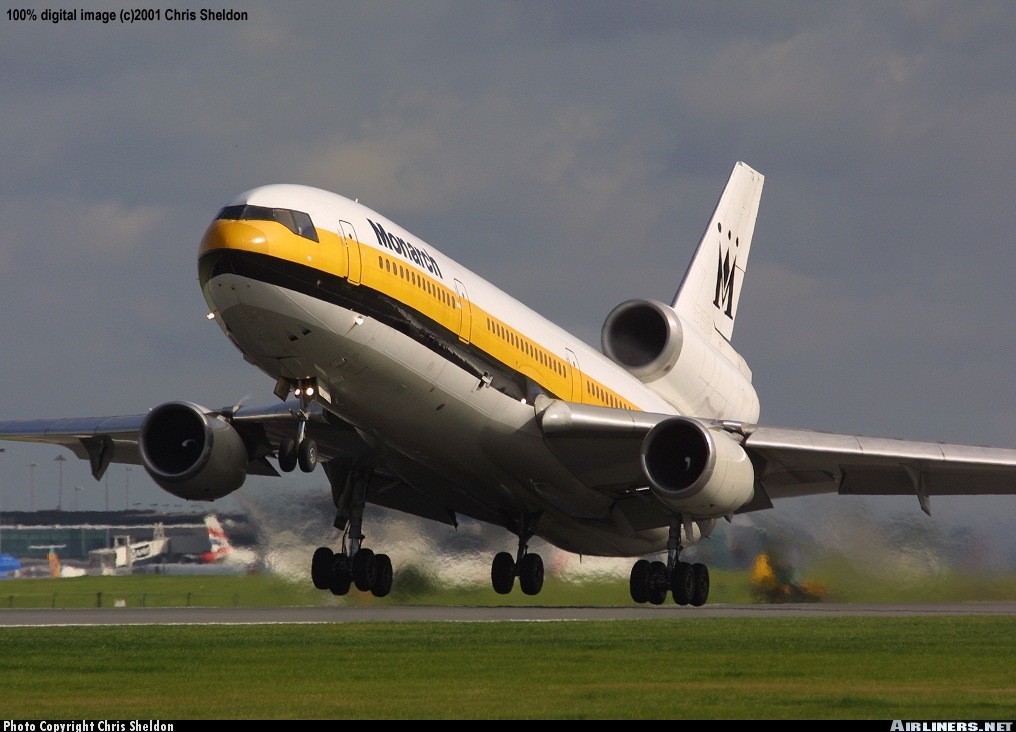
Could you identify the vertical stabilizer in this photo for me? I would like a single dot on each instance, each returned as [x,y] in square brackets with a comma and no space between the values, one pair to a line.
[711,289]
[217,538]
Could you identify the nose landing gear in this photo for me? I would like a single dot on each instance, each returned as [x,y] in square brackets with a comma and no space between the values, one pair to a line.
[303,450]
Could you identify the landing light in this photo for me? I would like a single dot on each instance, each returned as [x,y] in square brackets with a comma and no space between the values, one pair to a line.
[210,316]
[298,392]
[310,391]
[359,320]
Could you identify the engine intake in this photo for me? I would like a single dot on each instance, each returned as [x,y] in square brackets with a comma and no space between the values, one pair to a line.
[696,471]
[192,453]
[644,337]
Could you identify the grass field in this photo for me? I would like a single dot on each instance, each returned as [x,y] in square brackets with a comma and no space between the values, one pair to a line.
[882,668]
[844,582]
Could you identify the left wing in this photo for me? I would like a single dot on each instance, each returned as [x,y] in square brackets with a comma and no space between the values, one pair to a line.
[105,440]
[603,448]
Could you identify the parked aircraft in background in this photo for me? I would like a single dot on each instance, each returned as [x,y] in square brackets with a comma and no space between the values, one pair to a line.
[424,388]
[9,566]
[222,549]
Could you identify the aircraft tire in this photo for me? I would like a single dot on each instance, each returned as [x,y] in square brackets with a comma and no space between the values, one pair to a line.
[658,583]
[682,583]
[382,576]
[502,573]
[700,584]
[638,584]
[307,455]
[321,568]
[287,456]
[364,569]
[341,577]
[531,574]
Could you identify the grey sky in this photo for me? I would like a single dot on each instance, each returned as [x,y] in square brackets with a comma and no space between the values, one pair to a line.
[570,152]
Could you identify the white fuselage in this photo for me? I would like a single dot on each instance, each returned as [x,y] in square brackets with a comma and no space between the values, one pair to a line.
[443,390]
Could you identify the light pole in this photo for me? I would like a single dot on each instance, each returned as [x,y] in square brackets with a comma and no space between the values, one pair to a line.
[77,490]
[107,491]
[127,471]
[2,449]
[60,460]
[32,465]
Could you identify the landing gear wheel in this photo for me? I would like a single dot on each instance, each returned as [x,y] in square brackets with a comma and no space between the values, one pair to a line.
[502,573]
[531,574]
[700,584]
[287,456]
[364,569]
[341,578]
[382,576]
[639,582]
[682,583]
[307,455]
[658,583]
[321,572]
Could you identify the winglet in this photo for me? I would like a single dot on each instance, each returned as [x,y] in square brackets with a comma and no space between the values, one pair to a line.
[711,289]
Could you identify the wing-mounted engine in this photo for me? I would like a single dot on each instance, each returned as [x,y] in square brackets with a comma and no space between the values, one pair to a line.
[192,452]
[673,358]
[696,471]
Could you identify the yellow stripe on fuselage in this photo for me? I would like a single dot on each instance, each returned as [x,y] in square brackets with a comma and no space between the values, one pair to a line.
[385,273]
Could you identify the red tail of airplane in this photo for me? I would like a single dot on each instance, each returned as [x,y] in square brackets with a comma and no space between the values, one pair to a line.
[221,548]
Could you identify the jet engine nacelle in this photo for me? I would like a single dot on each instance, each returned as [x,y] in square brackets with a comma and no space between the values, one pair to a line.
[679,362]
[191,452]
[696,471]
[643,336]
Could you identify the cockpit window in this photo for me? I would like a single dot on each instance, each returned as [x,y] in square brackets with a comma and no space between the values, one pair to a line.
[296,221]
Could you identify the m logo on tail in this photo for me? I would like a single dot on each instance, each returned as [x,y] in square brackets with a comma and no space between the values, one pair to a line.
[724,299]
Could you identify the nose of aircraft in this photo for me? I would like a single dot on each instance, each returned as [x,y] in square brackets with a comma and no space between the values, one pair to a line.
[233,235]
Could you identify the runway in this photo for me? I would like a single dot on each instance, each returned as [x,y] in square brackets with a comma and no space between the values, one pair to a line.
[16,617]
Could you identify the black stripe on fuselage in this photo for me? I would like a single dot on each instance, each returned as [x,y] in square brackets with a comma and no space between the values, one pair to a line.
[373,303]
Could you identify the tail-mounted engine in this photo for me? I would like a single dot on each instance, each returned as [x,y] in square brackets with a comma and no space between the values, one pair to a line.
[696,471]
[697,374]
[643,336]
[191,452]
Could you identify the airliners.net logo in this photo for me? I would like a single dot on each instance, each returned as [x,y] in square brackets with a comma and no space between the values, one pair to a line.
[901,726]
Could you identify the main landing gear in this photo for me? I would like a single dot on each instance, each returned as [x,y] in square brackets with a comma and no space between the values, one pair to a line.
[358,567]
[688,583]
[528,567]
[367,571]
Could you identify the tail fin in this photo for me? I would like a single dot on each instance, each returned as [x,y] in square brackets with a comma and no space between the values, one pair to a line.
[217,538]
[711,289]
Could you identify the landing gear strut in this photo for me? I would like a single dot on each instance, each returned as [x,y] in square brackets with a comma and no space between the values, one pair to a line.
[358,566]
[528,567]
[688,583]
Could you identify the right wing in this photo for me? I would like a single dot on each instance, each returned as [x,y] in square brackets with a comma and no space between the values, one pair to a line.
[804,462]
[601,447]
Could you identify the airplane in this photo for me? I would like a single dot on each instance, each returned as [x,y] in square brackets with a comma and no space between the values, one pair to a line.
[421,387]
